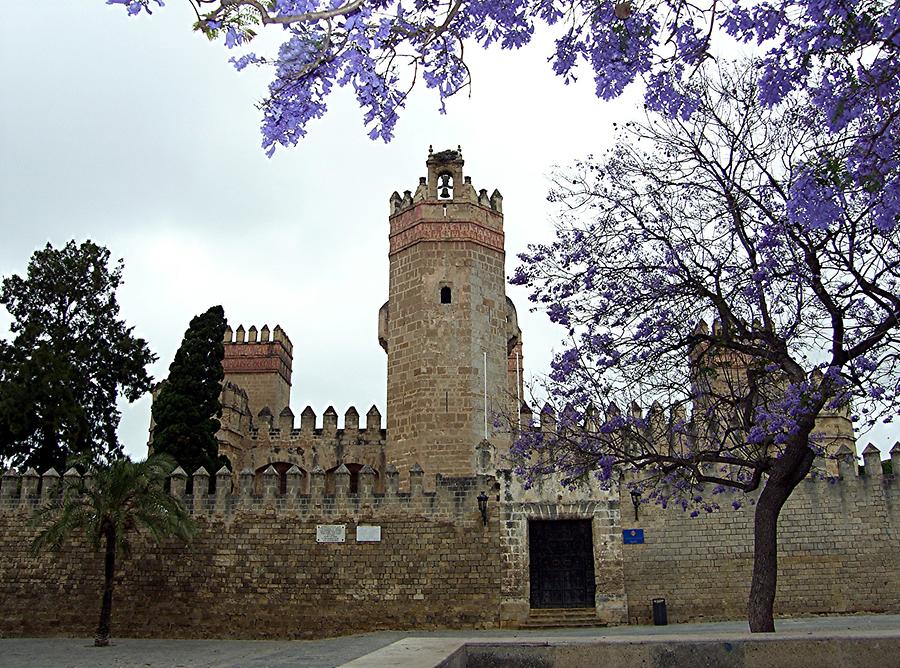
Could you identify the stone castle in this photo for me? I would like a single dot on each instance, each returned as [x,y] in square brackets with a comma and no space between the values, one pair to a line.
[453,345]
[454,349]
[420,523]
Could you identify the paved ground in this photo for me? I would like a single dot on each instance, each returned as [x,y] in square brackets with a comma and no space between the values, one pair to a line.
[132,653]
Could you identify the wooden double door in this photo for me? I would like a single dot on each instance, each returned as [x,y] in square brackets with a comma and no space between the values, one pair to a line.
[562,563]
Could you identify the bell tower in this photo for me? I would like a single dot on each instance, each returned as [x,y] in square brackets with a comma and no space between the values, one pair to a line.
[448,328]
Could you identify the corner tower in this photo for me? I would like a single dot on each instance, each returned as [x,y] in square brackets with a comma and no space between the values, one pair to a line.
[259,362]
[448,328]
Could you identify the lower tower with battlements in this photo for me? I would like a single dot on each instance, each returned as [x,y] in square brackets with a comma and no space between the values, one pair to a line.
[260,362]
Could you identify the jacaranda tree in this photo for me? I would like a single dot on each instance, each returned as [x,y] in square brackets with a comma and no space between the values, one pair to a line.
[686,222]
[841,55]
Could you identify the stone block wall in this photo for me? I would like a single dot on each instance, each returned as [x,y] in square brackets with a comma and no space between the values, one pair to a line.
[838,552]
[436,362]
[255,569]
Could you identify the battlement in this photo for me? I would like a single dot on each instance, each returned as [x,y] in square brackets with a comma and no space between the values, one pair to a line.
[263,335]
[833,430]
[444,184]
[267,427]
[305,497]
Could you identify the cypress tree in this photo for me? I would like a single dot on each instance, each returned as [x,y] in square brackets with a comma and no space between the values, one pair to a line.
[187,408]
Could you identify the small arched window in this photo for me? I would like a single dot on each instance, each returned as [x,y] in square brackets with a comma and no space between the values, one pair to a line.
[446,297]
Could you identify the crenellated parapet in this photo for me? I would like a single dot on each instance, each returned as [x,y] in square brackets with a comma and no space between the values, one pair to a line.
[306,492]
[867,484]
[446,207]
[675,428]
[305,496]
[265,426]
[258,336]
[326,441]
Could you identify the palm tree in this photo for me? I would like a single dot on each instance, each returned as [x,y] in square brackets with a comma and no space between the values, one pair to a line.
[120,499]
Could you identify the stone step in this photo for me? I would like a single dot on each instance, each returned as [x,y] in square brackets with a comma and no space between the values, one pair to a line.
[561,618]
[559,624]
[561,612]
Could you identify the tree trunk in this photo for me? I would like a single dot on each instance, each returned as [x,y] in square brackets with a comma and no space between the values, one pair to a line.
[109,572]
[785,476]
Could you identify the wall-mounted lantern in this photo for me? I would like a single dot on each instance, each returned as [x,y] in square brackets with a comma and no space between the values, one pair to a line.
[635,501]
[482,507]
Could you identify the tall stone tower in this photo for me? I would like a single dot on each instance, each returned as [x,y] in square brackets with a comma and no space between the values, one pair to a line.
[448,328]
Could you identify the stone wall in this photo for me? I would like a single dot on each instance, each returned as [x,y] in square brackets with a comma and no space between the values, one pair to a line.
[436,367]
[256,570]
[838,552]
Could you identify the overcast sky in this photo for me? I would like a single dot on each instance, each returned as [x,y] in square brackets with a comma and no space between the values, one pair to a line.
[136,133]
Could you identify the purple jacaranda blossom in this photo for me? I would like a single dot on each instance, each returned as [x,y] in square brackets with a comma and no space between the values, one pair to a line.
[838,55]
[724,297]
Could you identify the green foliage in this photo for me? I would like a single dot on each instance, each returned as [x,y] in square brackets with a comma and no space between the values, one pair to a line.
[70,358]
[187,407]
[122,496]
[119,499]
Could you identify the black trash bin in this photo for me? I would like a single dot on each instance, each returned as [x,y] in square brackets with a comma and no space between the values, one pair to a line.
[660,617]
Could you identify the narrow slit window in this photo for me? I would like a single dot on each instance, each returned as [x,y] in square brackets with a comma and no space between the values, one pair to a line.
[446,297]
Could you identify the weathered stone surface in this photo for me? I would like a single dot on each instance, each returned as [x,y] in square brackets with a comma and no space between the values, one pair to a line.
[452,337]
[256,571]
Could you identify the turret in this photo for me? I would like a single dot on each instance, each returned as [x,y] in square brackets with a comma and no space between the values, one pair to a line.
[260,365]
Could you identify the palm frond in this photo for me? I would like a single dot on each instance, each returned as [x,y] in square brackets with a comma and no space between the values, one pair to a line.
[127,496]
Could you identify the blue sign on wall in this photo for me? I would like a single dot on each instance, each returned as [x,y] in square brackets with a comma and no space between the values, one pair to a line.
[633,536]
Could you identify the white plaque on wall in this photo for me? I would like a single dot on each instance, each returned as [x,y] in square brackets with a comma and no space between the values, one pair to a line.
[331,533]
[368,534]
